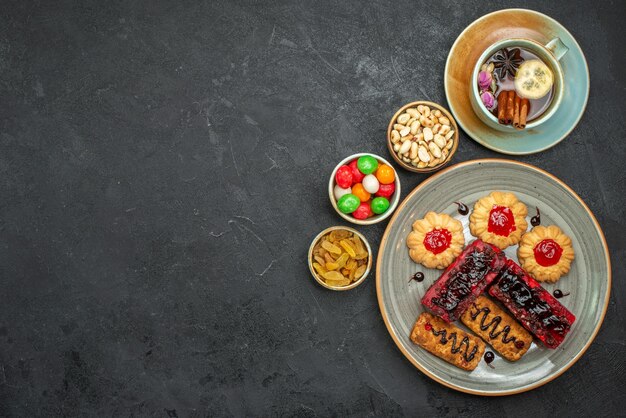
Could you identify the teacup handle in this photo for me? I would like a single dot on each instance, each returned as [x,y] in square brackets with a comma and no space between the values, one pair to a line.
[557,47]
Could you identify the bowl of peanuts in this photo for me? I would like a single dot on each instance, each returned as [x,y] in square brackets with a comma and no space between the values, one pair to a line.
[340,258]
[422,136]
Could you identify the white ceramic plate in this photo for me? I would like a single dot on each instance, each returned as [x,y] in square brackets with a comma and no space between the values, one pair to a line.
[588,280]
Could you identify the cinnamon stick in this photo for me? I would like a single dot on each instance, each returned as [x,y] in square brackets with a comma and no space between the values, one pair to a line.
[502,97]
[523,114]
[516,112]
[510,106]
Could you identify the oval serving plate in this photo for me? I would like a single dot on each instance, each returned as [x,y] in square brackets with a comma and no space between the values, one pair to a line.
[515,23]
[588,280]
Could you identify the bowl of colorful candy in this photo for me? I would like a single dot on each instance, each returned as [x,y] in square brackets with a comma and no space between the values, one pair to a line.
[364,189]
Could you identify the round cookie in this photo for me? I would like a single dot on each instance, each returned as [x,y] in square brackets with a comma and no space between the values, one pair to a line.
[435,240]
[546,253]
[499,219]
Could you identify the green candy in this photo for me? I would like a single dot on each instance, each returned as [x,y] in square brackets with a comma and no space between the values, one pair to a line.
[367,164]
[379,205]
[348,203]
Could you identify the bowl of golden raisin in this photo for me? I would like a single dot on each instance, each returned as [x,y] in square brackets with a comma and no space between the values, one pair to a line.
[340,258]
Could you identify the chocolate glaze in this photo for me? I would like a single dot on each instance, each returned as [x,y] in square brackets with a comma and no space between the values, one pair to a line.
[536,220]
[462,208]
[489,357]
[524,297]
[418,277]
[469,273]
[455,349]
[558,293]
[493,324]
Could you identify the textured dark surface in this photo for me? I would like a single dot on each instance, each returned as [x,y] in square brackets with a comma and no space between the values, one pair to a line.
[164,167]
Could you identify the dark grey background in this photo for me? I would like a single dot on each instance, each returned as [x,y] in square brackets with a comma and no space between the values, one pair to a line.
[164,167]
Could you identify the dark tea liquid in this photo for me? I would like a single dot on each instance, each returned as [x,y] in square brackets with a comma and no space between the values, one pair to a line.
[537,106]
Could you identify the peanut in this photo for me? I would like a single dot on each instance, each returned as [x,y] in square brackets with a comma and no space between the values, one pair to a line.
[404,118]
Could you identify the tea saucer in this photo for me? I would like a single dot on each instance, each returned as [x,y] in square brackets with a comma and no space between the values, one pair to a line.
[515,23]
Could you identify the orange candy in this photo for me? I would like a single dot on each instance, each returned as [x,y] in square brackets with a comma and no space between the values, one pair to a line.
[385,174]
[359,191]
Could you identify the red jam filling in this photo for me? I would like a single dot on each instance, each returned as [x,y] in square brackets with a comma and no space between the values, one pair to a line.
[548,253]
[428,327]
[437,240]
[501,221]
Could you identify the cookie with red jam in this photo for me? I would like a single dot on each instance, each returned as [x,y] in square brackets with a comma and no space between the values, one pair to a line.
[499,219]
[435,240]
[546,253]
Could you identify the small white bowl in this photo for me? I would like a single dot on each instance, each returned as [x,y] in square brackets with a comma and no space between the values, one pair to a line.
[393,203]
[370,257]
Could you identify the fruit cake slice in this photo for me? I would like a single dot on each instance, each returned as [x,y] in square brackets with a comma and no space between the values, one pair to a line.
[461,283]
[532,305]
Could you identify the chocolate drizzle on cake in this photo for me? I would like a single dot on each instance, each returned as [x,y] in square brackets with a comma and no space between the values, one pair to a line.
[527,298]
[455,349]
[466,277]
[493,324]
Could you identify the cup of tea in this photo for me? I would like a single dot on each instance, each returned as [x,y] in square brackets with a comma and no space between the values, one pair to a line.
[517,83]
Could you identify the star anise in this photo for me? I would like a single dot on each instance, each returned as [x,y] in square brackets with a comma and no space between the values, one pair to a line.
[507,61]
